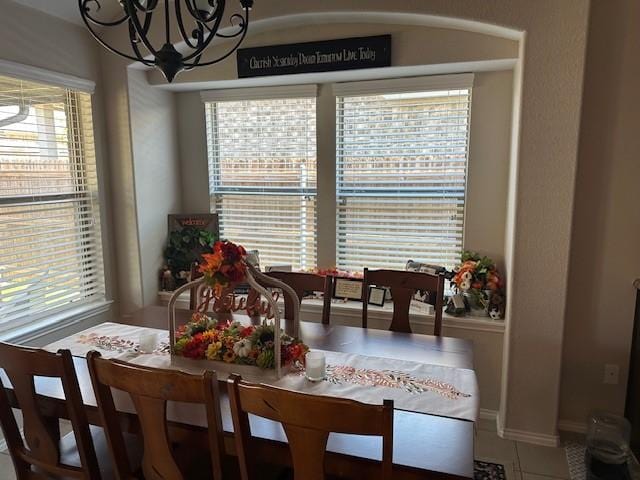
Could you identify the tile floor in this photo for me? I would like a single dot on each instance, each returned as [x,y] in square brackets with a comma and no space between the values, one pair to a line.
[522,460]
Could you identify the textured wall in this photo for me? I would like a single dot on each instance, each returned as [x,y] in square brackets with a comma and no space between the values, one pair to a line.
[157,174]
[605,258]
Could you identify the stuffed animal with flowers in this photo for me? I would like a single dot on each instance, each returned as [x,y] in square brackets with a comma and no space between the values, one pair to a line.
[478,277]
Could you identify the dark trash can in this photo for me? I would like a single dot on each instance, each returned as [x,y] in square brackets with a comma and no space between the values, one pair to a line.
[607,456]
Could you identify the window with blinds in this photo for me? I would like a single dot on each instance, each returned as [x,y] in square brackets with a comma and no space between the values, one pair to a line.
[262,176]
[401,177]
[50,248]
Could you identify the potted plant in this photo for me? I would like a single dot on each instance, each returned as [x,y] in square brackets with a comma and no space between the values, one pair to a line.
[186,246]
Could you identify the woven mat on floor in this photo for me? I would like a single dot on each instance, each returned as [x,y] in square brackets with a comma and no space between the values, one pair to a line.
[489,471]
[575,459]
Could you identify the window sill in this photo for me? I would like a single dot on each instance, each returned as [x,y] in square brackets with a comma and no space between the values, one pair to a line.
[46,326]
[349,313]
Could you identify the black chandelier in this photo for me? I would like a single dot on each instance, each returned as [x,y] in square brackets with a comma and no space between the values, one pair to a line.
[199,24]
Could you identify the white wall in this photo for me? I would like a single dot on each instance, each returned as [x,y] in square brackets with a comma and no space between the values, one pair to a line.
[605,258]
[157,174]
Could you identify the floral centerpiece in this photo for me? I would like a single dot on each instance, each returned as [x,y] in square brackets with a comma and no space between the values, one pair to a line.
[224,266]
[205,339]
[478,278]
[238,347]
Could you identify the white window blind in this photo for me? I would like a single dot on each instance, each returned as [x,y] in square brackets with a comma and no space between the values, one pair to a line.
[401,177]
[50,247]
[262,176]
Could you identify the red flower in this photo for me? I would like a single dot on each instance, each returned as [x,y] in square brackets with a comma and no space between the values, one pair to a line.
[196,348]
[247,331]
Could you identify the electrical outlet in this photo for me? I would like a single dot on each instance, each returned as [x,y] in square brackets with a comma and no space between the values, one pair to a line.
[611,374]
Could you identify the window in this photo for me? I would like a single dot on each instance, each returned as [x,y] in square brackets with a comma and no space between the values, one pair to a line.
[262,176]
[401,176]
[400,171]
[50,247]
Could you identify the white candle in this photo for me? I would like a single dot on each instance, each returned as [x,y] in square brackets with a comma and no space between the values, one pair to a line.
[315,366]
[148,342]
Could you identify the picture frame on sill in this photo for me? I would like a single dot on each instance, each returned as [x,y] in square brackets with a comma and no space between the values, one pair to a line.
[377,296]
[347,288]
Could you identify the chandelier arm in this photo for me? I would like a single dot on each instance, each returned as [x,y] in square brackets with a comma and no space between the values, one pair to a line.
[136,49]
[242,26]
[196,60]
[150,8]
[142,35]
[84,13]
[147,22]
[205,42]
[195,13]
[106,45]
[219,59]
[183,32]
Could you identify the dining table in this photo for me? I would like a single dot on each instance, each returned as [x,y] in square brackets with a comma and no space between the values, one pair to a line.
[424,446]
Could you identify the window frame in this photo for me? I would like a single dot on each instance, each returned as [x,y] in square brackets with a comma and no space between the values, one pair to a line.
[59,316]
[211,100]
[326,130]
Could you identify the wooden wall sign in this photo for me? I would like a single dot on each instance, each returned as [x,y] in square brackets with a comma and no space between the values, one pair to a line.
[325,56]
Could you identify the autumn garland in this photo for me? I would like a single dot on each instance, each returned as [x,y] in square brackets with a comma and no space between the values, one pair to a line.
[232,342]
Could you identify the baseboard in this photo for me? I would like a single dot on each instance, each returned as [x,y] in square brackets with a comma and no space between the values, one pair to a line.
[572,426]
[486,414]
[526,436]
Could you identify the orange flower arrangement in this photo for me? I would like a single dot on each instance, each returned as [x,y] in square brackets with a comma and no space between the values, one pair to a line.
[224,266]
[477,273]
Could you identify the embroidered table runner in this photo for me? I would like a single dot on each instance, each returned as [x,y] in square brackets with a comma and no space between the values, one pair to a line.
[417,387]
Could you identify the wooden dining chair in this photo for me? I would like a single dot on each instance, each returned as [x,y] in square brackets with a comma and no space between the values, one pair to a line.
[39,455]
[403,286]
[150,390]
[302,282]
[307,421]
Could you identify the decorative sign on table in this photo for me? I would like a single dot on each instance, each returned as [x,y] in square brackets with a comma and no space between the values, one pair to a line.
[377,296]
[310,57]
[347,288]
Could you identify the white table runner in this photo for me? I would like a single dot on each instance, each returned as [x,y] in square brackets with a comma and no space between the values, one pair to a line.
[417,387]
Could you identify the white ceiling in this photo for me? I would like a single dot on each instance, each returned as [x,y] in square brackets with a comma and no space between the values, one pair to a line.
[68,9]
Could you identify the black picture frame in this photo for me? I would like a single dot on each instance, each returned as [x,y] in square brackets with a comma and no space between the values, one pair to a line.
[345,288]
[380,291]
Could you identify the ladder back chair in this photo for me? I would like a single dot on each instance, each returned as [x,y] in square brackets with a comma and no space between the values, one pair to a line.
[307,421]
[150,390]
[41,448]
[302,282]
[403,285]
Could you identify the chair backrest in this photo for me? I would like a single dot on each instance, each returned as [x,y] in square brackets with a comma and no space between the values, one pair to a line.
[150,390]
[307,421]
[306,282]
[41,445]
[403,285]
